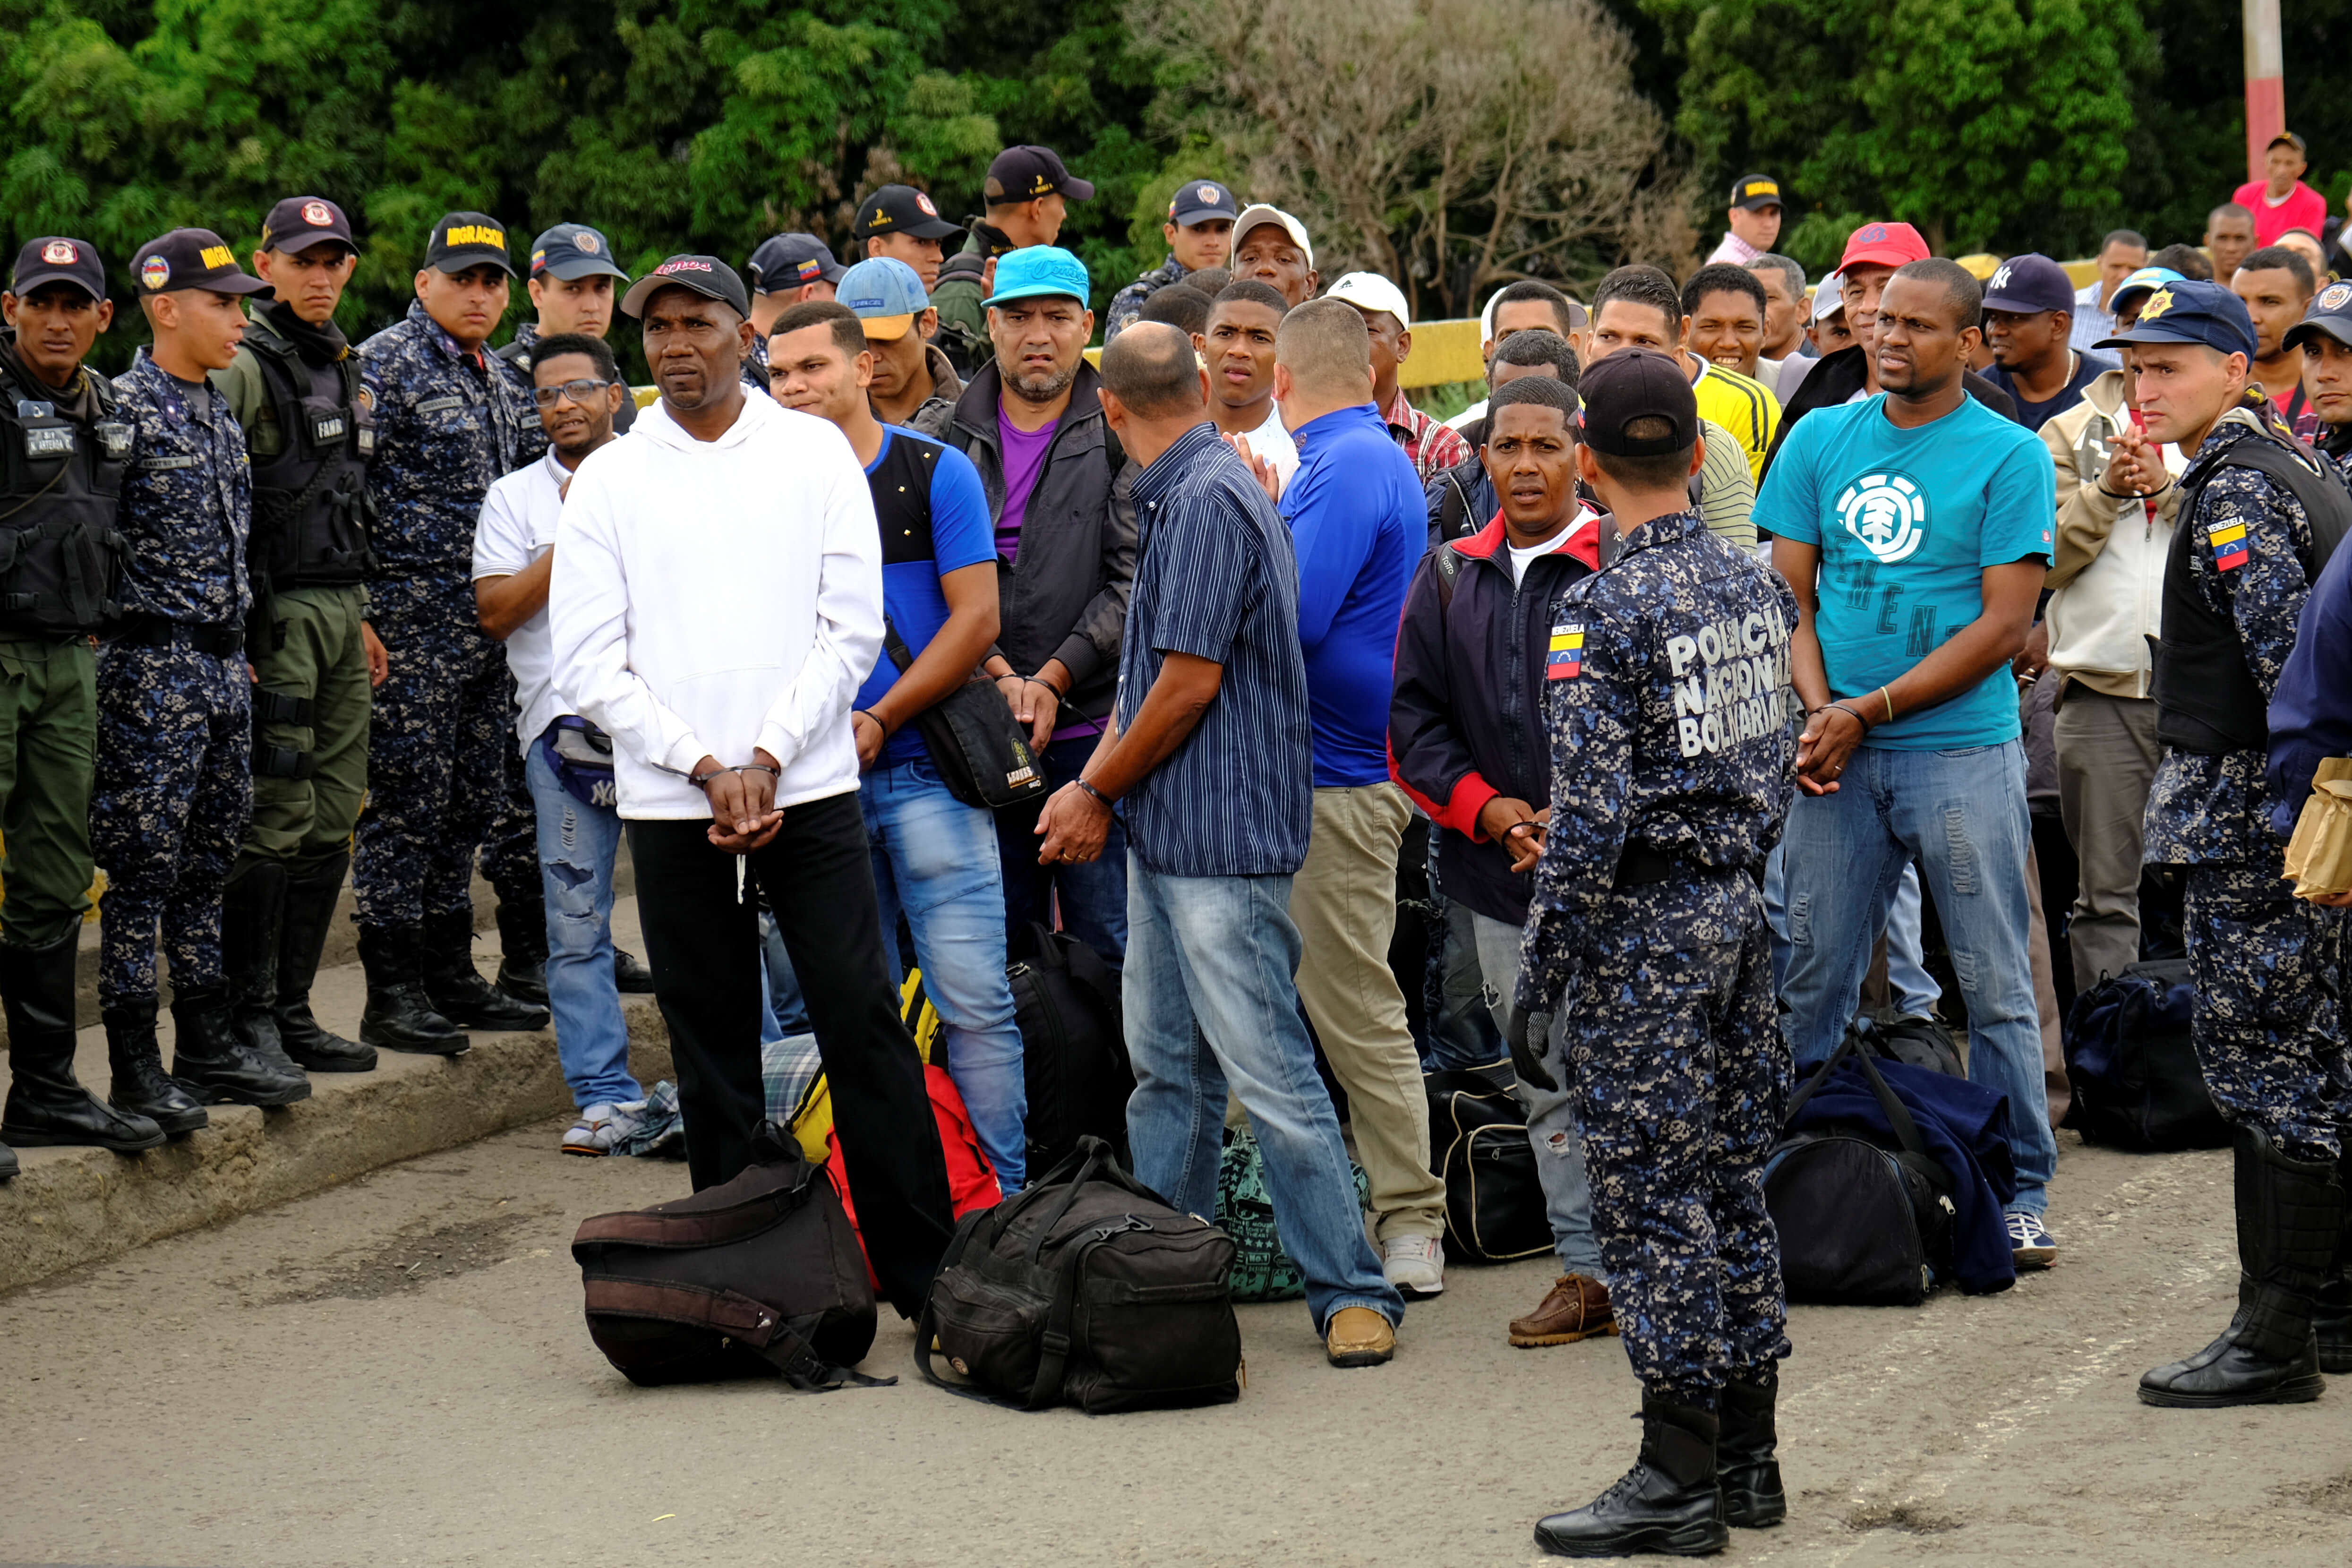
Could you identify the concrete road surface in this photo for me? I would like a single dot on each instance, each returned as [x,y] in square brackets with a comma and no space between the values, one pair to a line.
[396,1372]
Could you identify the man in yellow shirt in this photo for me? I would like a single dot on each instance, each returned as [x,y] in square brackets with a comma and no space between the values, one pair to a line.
[1639,307]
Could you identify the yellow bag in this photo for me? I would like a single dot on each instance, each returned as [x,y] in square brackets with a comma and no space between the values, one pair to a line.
[812,1117]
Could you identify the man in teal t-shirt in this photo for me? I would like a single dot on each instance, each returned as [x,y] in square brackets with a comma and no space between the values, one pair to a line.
[1915,527]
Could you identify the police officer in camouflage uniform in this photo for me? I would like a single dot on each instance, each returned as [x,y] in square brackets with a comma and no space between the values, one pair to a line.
[295,388]
[450,418]
[1200,233]
[2259,518]
[174,785]
[64,450]
[1668,708]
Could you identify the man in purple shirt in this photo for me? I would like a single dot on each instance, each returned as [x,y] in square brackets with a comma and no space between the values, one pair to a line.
[1358,525]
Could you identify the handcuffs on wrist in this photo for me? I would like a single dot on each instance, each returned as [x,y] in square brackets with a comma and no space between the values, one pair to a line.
[702,781]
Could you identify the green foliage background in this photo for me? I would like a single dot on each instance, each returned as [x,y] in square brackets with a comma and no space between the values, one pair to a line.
[708,124]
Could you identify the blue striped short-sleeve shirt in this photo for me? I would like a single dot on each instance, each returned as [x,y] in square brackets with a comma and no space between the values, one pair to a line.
[1216,578]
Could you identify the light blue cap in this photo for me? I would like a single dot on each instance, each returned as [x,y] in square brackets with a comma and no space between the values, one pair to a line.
[881,288]
[1040,269]
[2146,280]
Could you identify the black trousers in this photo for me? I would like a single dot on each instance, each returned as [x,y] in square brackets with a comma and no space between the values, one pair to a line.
[702,942]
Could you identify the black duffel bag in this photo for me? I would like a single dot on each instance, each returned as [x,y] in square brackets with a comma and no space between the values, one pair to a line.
[1861,1223]
[1494,1209]
[2133,1067]
[1074,1061]
[1084,1290]
[759,1276]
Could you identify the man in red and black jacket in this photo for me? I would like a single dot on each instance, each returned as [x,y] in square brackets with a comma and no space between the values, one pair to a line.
[1477,642]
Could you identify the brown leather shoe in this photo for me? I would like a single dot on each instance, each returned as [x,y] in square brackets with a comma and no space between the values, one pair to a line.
[1358,1336]
[1575,1307]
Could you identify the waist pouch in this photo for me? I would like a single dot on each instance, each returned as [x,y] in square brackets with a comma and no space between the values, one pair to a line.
[581,757]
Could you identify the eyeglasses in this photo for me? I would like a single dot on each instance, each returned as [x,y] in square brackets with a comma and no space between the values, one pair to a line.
[579,391]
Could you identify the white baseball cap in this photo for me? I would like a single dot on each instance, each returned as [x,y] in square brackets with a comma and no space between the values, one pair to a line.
[1829,297]
[1370,291]
[1259,212]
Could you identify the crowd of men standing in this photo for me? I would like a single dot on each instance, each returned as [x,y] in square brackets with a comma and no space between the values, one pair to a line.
[1687,668]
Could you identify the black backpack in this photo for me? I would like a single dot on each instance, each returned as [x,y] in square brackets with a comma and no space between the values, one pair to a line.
[2133,1067]
[1073,1045]
[1495,1210]
[1087,1289]
[1862,1221]
[759,1276]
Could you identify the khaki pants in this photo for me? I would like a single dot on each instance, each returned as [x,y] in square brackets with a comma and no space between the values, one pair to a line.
[2107,754]
[1343,902]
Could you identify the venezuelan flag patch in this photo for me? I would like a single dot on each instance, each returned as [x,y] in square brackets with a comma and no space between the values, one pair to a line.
[1564,659]
[2229,542]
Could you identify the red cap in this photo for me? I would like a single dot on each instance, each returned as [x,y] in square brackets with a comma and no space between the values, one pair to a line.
[1887,244]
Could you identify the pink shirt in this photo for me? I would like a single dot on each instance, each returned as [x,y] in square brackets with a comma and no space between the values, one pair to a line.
[2304,208]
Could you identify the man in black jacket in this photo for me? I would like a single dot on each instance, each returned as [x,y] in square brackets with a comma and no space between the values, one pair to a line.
[1031,420]
[1872,252]
[1467,741]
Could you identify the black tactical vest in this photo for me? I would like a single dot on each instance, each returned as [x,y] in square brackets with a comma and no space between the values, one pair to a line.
[2207,700]
[60,484]
[310,507]
[901,483]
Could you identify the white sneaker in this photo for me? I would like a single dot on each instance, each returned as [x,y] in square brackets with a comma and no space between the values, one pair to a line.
[599,1127]
[1415,1264]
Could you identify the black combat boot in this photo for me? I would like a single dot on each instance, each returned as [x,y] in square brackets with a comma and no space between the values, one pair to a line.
[302,936]
[1745,1466]
[2290,1224]
[522,943]
[214,1062]
[2331,1318]
[48,1106]
[141,1085]
[1669,1502]
[253,907]
[398,1016]
[456,988]
[630,973]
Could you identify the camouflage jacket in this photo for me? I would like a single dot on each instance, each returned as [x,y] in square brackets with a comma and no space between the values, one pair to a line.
[2209,809]
[187,501]
[1127,303]
[1668,711]
[448,424]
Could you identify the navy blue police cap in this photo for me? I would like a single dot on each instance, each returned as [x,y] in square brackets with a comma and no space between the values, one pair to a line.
[2193,313]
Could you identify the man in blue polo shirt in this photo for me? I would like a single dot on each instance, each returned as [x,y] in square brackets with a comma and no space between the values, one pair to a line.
[1915,527]
[1209,749]
[935,857]
[1359,524]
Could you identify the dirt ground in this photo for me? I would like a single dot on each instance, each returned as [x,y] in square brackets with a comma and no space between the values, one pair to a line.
[396,1372]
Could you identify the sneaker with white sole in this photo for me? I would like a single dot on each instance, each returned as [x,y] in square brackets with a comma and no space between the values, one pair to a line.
[2029,1244]
[599,1127]
[1415,1264]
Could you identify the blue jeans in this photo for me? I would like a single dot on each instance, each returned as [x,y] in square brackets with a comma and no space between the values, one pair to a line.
[576,845]
[1210,1004]
[934,857]
[1092,897]
[1961,815]
[1912,989]
[1552,1133]
[786,1011]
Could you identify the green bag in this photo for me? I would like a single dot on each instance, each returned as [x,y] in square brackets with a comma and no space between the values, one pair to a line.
[1262,1271]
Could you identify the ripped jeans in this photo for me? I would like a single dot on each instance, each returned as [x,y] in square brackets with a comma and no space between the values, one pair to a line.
[577,843]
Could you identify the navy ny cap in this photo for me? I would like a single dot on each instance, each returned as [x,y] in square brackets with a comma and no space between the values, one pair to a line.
[2029,284]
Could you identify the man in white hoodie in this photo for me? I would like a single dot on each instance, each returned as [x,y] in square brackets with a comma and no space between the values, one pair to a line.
[716,601]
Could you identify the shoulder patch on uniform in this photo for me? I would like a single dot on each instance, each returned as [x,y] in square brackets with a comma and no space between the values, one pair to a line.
[2229,542]
[1564,658]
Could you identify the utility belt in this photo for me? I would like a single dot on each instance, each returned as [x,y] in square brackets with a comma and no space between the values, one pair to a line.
[154,631]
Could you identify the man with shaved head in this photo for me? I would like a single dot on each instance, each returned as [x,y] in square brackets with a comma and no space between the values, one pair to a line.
[1209,748]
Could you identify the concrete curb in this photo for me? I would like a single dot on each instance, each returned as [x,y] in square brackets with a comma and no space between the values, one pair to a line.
[69,1208]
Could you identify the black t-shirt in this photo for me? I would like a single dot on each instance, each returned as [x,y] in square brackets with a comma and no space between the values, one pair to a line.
[2034,415]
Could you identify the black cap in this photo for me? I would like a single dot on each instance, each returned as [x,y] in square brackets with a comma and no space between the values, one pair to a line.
[2290,139]
[298,223]
[1755,191]
[2193,313]
[1025,174]
[468,239]
[2331,314]
[571,250]
[191,259]
[706,275]
[788,260]
[1636,384]
[1198,200]
[59,258]
[900,209]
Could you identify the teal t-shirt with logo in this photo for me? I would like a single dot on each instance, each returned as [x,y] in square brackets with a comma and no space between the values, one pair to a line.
[1906,521]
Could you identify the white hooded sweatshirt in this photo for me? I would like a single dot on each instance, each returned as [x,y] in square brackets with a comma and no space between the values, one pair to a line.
[714,596]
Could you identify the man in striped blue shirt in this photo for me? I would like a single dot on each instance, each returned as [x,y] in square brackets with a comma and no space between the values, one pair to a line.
[1209,747]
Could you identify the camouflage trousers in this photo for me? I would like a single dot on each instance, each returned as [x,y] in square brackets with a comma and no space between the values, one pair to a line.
[1680,1073]
[2269,1024]
[437,747]
[169,806]
[511,854]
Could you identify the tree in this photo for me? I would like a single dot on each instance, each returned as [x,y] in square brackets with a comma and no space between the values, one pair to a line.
[1448,147]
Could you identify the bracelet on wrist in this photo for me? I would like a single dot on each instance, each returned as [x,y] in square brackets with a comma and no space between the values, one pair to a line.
[1854,713]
